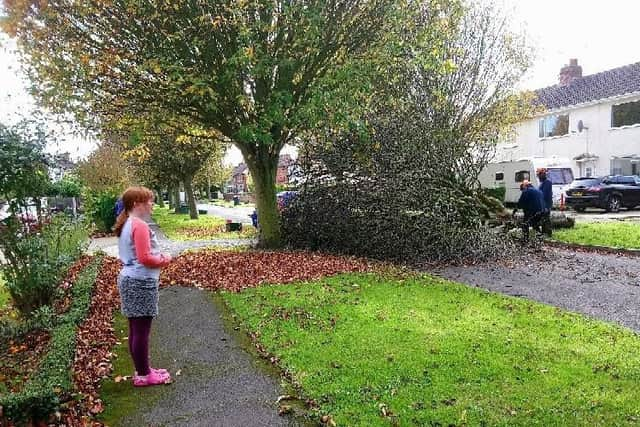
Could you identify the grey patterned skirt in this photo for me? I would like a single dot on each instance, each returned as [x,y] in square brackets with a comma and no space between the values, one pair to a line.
[138,297]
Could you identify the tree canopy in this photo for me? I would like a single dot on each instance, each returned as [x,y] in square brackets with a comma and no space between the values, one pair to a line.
[408,189]
[23,163]
[257,71]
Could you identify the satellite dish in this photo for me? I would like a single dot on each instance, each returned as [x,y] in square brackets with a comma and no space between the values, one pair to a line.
[581,126]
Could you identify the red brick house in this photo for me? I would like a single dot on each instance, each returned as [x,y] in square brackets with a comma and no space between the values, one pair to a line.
[238,182]
[284,163]
[240,174]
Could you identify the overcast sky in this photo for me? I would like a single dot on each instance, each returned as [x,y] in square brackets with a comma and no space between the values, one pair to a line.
[600,34]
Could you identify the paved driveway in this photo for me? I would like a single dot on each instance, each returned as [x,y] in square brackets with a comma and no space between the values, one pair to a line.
[599,215]
[604,286]
[236,214]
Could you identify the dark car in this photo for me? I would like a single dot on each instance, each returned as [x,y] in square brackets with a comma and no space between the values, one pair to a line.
[609,193]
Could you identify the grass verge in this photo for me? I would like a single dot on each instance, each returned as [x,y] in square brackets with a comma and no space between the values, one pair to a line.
[4,294]
[206,227]
[624,235]
[373,350]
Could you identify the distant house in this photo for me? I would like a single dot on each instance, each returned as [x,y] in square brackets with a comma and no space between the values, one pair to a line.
[240,175]
[60,164]
[592,120]
[285,162]
[238,182]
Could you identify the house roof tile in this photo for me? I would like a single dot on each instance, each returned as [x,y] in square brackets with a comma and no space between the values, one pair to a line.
[239,169]
[610,83]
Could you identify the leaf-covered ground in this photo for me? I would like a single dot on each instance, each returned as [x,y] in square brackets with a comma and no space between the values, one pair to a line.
[379,350]
[95,340]
[238,270]
[19,359]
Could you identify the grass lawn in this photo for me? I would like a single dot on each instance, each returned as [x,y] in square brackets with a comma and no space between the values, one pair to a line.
[206,227]
[374,350]
[4,294]
[613,234]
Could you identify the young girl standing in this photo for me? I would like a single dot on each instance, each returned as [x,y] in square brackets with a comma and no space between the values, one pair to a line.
[139,279]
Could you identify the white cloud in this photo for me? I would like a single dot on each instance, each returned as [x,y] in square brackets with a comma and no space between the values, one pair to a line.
[600,34]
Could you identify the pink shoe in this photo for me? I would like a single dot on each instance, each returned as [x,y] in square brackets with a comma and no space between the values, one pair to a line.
[158,371]
[153,378]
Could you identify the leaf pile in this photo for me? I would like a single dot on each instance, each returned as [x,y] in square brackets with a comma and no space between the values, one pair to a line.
[20,360]
[234,271]
[61,305]
[95,339]
[201,232]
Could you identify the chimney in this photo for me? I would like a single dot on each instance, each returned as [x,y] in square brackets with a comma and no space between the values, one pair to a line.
[570,72]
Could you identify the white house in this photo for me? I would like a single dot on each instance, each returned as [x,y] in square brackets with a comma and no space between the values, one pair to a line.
[593,120]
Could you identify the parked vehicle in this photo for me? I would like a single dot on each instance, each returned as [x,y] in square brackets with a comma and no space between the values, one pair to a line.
[284,198]
[610,193]
[510,174]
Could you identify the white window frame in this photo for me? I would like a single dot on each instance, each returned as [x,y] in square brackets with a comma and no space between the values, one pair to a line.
[637,101]
[542,123]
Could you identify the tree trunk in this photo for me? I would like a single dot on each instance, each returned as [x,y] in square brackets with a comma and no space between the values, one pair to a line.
[160,201]
[263,171]
[208,182]
[188,188]
[170,191]
[176,200]
[38,202]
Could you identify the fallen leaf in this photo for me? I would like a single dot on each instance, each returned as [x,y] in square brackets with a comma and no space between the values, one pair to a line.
[284,409]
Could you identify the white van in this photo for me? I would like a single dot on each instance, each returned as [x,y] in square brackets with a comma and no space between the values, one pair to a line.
[509,174]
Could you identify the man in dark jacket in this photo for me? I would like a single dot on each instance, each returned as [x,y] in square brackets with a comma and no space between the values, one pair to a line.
[546,187]
[532,204]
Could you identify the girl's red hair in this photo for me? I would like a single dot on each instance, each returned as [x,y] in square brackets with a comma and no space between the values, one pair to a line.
[130,196]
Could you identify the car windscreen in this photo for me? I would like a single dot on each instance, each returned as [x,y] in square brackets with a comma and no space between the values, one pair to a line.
[560,176]
[585,183]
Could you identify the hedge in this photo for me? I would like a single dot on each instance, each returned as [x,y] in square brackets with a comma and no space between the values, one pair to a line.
[41,394]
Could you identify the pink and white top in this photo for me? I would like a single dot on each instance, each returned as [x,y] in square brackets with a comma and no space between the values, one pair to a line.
[139,251]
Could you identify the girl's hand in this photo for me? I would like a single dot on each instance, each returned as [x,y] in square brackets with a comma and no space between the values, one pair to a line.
[167,258]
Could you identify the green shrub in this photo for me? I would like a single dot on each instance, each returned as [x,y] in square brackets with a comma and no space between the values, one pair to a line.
[42,393]
[14,329]
[100,207]
[496,192]
[68,186]
[38,256]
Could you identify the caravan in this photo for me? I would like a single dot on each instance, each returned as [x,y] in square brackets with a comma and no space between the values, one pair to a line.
[509,174]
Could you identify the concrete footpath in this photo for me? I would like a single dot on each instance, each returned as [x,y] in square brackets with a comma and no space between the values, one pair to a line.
[220,382]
